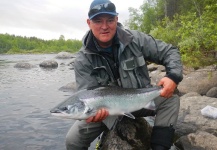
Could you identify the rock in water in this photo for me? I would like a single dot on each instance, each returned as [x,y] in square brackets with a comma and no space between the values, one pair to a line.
[49,64]
[129,134]
[23,65]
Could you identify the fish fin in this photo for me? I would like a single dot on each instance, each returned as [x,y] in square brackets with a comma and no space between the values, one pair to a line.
[129,115]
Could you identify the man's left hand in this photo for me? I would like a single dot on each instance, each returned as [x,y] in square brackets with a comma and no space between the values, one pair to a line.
[99,117]
[169,87]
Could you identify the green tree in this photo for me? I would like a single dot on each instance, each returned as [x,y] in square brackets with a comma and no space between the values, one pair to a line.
[18,44]
[188,24]
[142,19]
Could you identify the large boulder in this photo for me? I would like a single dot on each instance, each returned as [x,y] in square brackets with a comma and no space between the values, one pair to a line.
[197,141]
[49,64]
[190,117]
[194,130]
[200,81]
[129,134]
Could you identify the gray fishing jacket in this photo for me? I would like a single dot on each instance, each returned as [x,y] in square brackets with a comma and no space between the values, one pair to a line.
[134,49]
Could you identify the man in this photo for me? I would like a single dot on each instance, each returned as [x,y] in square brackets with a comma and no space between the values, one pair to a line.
[114,56]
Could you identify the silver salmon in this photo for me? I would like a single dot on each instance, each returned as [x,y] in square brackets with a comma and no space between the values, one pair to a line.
[117,100]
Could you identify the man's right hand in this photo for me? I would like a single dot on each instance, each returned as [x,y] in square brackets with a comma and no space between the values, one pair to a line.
[99,117]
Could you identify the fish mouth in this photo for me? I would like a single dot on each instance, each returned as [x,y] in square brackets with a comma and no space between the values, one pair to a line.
[58,110]
[55,111]
[60,113]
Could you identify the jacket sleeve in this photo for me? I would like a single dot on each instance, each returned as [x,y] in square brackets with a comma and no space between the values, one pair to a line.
[164,54]
[83,71]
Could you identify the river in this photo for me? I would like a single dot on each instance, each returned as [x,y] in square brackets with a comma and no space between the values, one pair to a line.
[26,96]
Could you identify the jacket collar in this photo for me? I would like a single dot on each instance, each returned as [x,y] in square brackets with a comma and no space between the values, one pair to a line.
[124,37]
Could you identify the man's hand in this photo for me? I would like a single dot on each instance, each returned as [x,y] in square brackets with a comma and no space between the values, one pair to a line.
[100,116]
[169,87]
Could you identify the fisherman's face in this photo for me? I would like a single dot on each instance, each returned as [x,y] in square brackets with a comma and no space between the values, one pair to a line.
[104,28]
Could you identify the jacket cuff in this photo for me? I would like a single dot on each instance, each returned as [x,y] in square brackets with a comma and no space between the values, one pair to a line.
[174,78]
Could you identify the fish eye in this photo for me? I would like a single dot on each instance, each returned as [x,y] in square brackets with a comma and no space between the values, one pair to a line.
[63,108]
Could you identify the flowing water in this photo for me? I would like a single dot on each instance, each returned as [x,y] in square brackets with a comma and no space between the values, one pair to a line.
[26,96]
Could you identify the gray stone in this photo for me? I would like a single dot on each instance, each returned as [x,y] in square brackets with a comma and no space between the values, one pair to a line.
[212,92]
[64,55]
[49,64]
[156,76]
[23,65]
[190,94]
[187,70]
[200,81]
[161,68]
[197,141]
[190,118]
[152,67]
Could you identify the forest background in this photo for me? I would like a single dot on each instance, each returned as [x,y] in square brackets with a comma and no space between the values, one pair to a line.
[191,25]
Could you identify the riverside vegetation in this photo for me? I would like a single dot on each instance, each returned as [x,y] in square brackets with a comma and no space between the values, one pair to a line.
[11,44]
[191,25]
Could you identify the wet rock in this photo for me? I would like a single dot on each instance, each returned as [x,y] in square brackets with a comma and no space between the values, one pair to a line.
[64,55]
[197,141]
[23,65]
[49,64]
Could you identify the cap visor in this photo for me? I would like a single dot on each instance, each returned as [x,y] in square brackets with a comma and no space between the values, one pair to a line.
[110,13]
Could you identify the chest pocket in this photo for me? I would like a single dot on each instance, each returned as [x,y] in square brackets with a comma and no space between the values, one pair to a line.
[133,62]
[135,71]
